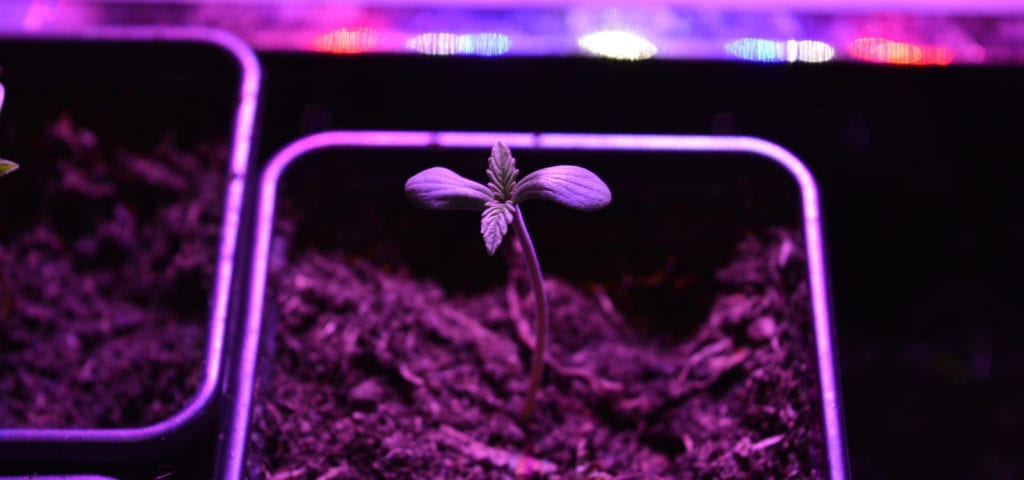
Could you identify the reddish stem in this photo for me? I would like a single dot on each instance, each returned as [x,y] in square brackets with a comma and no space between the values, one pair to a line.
[541,333]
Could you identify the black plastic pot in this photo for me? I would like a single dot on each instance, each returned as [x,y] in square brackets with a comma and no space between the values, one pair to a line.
[730,185]
[130,87]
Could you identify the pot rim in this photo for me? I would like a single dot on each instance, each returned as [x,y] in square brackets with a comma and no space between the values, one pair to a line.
[43,441]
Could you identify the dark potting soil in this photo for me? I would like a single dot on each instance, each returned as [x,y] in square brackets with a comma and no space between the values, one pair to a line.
[377,374]
[106,264]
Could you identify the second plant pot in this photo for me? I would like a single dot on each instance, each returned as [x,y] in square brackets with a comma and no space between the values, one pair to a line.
[117,240]
[690,331]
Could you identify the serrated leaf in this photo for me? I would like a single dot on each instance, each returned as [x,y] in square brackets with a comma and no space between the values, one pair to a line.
[572,186]
[502,171]
[7,166]
[494,224]
[442,189]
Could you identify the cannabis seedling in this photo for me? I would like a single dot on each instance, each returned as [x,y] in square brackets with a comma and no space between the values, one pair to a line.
[6,166]
[575,187]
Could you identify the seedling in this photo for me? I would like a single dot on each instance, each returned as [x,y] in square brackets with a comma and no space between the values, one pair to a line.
[575,187]
[6,166]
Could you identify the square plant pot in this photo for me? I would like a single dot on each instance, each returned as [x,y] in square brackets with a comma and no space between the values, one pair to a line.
[689,321]
[118,238]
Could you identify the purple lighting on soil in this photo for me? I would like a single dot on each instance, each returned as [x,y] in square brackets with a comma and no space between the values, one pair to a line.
[625,143]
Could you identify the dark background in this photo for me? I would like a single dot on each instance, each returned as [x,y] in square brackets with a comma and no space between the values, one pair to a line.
[922,218]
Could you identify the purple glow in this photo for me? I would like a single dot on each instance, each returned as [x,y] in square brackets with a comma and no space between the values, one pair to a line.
[810,5]
[676,143]
[680,29]
[241,148]
[37,15]
[476,139]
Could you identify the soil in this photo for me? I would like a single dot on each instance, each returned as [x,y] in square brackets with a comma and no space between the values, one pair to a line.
[106,269]
[377,373]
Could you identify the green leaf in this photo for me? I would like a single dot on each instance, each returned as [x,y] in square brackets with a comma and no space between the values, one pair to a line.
[7,166]
[442,189]
[572,186]
[494,224]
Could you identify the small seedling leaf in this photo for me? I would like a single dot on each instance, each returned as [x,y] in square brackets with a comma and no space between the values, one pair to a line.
[7,166]
[494,224]
[442,189]
[502,171]
[572,186]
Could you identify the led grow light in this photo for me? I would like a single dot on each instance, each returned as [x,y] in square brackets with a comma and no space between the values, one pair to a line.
[619,45]
[483,44]
[883,50]
[765,50]
[347,40]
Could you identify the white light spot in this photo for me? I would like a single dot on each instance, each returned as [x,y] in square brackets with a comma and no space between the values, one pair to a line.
[814,51]
[618,45]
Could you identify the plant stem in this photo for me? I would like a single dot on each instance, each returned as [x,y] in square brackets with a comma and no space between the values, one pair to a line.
[541,333]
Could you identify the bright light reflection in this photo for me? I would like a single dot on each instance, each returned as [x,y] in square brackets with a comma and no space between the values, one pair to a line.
[814,51]
[346,40]
[764,50]
[484,44]
[883,50]
[757,49]
[618,45]
[39,12]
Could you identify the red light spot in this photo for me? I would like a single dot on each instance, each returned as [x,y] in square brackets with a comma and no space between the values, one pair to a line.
[347,41]
[883,50]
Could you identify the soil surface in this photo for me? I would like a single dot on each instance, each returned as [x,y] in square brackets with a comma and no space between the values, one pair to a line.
[377,374]
[106,269]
